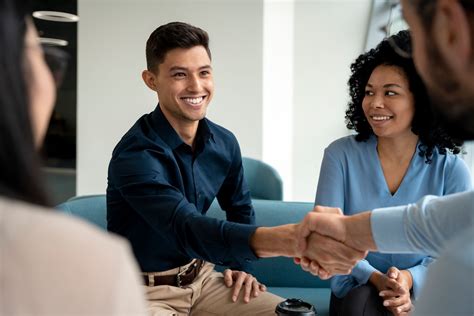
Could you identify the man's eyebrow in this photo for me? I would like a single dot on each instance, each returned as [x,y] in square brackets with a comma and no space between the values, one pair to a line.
[176,68]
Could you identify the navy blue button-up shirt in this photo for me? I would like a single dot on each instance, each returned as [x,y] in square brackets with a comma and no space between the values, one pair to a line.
[159,191]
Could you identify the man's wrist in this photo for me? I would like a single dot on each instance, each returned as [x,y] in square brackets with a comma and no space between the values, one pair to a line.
[275,241]
[359,232]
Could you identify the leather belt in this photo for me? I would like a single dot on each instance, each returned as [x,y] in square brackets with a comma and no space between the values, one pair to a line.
[183,278]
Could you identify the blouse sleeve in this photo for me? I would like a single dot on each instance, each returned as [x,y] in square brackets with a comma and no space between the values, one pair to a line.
[458,177]
[330,190]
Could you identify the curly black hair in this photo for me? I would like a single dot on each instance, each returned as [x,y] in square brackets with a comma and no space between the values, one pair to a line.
[430,130]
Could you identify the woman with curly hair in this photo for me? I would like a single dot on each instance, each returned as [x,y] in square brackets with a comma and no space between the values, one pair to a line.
[400,153]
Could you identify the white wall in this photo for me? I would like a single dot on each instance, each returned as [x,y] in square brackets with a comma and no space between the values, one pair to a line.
[327,36]
[278,57]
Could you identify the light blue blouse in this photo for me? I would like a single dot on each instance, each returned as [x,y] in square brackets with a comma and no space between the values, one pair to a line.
[352,179]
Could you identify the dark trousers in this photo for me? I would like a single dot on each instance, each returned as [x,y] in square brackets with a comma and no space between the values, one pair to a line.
[360,301]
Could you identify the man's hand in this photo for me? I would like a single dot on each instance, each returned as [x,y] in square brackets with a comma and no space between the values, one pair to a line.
[328,256]
[325,224]
[321,238]
[239,279]
[397,297]
[326,209]
[354,231]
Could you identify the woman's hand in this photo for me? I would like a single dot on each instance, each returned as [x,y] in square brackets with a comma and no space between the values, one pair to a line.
[397,299]
[239,279]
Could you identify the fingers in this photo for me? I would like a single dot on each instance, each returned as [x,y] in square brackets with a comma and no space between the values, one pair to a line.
[228,279]
[331,255]
[402,309]
[314,268]
[400,304]
[392,293]
[329,210]
[251,287]
[393,273]
[239,281]
[330,225]
[394,285]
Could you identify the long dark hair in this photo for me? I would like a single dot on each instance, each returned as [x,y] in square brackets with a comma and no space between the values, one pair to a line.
[431,131]
[19,161]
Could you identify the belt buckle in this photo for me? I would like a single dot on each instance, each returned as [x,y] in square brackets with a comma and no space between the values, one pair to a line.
[178,277]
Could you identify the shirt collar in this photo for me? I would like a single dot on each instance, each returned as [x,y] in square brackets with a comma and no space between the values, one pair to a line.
[204,131]
[169,135]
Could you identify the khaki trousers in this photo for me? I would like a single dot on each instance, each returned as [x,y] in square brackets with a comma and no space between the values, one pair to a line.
[207,295]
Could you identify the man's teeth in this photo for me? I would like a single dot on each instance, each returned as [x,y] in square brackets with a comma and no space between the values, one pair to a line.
[193,100]
[381,118]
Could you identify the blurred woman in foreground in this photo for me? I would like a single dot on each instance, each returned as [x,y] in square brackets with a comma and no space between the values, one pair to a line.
[50,264]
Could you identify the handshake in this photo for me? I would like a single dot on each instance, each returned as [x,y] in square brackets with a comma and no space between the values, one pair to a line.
[329,243]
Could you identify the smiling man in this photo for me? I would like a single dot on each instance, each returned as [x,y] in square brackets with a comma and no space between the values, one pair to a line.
[165,173]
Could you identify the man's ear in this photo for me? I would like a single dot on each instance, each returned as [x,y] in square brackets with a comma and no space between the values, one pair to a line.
[451,32]
[150,80]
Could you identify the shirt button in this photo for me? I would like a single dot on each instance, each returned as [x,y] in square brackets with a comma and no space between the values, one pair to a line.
[247,260]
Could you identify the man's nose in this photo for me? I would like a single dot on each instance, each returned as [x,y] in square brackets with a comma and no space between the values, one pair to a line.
[194,83]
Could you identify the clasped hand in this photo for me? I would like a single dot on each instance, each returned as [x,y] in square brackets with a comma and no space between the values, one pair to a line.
[322,244]
[394,287]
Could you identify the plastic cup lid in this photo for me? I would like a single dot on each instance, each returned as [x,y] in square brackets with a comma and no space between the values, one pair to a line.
[294,306]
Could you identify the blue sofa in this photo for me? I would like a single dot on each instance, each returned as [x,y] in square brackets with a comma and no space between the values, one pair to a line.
[281,275]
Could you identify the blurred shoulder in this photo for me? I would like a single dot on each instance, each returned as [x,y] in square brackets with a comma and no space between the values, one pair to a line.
[64,266]
[29,227]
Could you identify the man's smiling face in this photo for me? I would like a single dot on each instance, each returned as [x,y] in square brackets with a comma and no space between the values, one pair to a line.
[185,85]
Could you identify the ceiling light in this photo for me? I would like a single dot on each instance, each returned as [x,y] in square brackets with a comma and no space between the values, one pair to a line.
[53,41]
[55,16]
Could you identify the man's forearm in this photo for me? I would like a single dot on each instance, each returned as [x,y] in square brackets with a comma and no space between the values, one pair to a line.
[275,241]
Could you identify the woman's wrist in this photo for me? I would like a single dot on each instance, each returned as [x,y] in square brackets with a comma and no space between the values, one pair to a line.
[376,279]
[407,278]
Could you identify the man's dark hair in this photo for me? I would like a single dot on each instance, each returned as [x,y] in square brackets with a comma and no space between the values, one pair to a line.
[170,36]
[20,168]
[431,131]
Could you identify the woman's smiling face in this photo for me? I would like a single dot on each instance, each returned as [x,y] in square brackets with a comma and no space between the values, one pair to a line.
[389,105]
